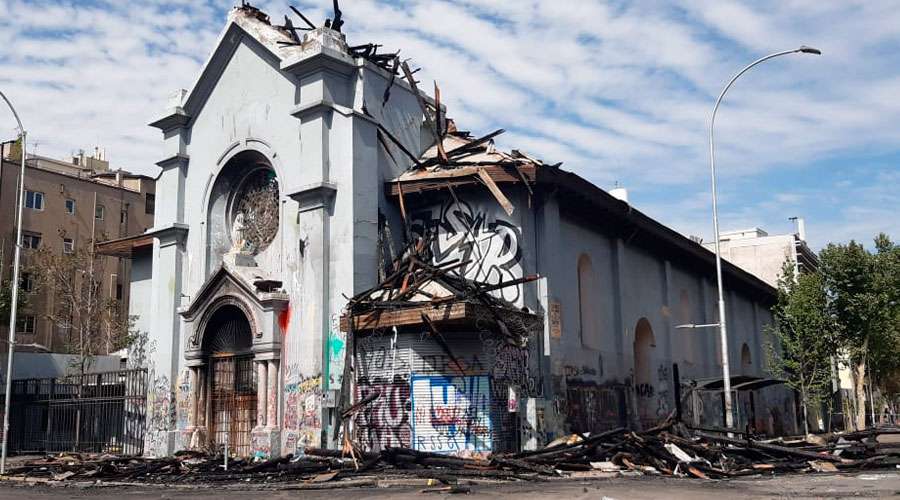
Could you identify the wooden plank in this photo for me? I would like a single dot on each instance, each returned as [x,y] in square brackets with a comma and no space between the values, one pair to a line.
[495,190]
[457,312]
[432,181]
[408,316]
[421,100]
[402,204]
[439,131]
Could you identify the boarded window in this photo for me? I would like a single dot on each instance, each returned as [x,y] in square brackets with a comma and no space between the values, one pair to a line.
[587,304]
[746,359]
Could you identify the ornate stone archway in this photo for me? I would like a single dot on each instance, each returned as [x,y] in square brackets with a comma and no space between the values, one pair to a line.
[232,352]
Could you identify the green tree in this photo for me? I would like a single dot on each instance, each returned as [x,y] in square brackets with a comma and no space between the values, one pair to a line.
[803,338]
[97,324]
[6,301]
[863,290]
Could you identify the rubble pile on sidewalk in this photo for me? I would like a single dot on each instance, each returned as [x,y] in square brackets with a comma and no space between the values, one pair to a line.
[674,449]
[670,449]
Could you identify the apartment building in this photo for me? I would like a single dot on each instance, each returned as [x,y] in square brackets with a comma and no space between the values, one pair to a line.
[68,204]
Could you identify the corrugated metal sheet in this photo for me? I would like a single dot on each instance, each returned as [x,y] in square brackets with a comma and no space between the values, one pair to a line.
[428,403]
[452,414]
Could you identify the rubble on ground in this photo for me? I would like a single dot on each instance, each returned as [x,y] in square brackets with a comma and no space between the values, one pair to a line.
[671,449]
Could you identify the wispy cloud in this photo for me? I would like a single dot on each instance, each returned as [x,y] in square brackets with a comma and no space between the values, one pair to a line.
[619,91]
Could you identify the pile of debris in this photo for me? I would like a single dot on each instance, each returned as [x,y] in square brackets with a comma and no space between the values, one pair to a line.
[670,449]
[674,449]
[424,291]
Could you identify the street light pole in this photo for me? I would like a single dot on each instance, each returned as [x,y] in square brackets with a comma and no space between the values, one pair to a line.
[723,331]
[14,286]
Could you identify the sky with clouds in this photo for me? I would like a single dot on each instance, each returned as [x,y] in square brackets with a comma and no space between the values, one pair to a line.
[620,92]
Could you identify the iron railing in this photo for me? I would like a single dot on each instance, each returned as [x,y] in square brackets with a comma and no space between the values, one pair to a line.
[95,413]
[233,403]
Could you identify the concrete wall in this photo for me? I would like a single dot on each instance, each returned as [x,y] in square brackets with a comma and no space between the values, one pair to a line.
[761,256]
[597,368]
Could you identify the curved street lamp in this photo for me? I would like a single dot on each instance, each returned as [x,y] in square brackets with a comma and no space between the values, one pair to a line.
[726,372]
[14,287]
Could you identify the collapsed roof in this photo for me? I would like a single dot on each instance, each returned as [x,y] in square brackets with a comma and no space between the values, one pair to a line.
[456,158]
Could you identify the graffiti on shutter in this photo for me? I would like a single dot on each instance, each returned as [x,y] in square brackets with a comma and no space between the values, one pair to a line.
[451,414]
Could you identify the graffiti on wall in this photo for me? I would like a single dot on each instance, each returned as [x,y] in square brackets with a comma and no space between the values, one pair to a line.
[510,366]
[302,423]
[663,376]
[384,423]
[337,347]
[259,443]
[491,246]
[593,407]
[183,400]
[160,416]
[451,414]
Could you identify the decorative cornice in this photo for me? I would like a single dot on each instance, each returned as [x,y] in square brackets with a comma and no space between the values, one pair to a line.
[322,48]
[304,111]
[177,118]
[168,235]
[314,196]
[177,160]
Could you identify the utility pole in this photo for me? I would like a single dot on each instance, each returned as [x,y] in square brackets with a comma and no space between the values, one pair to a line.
[723,332]
[14,285]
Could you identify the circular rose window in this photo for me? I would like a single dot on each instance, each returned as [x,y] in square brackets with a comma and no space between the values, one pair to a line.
[254,213]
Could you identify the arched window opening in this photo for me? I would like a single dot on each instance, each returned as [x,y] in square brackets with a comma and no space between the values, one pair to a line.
[587,304]
[644,346]
[746,360]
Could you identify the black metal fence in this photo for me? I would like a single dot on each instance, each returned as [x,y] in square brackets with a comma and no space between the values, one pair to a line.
[97,412]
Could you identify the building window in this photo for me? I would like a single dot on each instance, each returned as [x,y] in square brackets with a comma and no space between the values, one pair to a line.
[31,240]
[68,245]
[25,324]
[27,282]
[150,204]
[123,216]
[70,206]
[118,291]
[34,200]
[99,212]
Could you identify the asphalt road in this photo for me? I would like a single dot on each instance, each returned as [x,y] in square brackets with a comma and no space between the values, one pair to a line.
[877,484]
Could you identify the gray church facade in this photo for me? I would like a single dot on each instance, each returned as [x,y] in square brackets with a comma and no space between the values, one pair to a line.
[286,176]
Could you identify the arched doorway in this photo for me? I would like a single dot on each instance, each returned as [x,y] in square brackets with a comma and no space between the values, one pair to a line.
[227,341]
[645,392]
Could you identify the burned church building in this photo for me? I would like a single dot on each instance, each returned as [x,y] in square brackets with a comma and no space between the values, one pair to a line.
[332,258]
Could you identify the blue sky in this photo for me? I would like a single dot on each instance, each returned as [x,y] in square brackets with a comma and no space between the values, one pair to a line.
[618,91]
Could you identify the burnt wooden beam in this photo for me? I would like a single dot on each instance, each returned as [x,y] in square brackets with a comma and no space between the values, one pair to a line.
[307,21]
